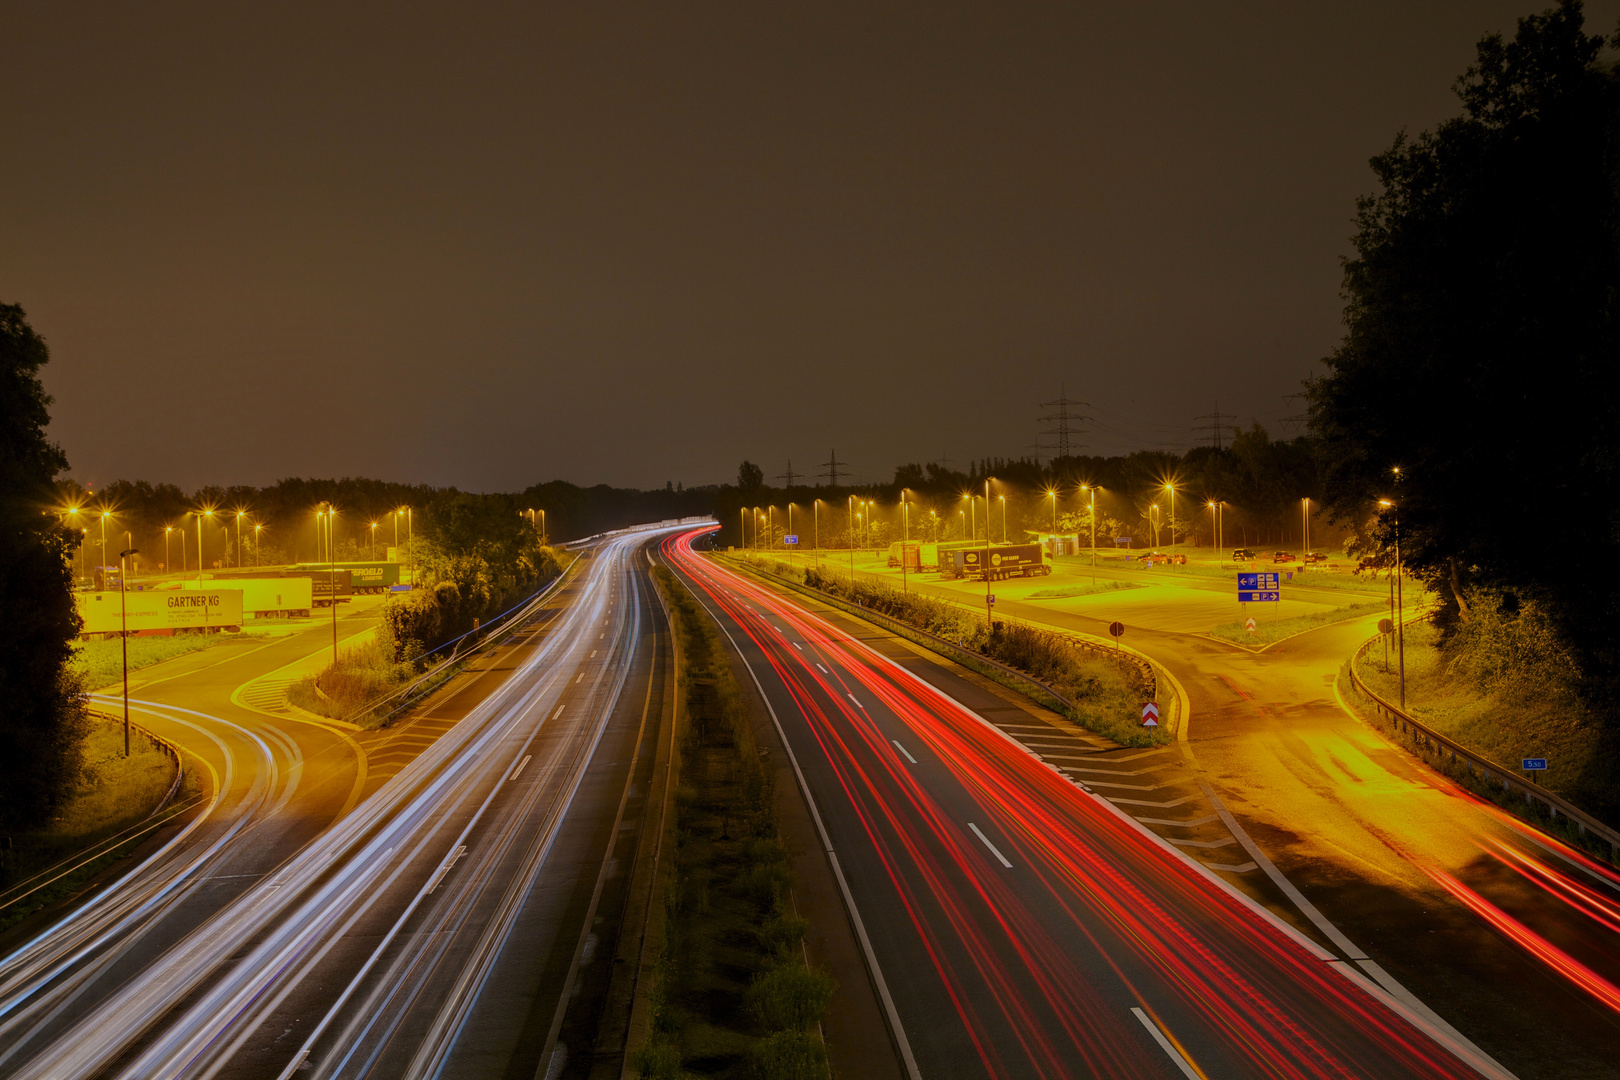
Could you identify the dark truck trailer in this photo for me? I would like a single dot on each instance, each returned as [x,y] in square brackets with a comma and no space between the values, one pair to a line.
[1008,561]
[366,577]
[324,584]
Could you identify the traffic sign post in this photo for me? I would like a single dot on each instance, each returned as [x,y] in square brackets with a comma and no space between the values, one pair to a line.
[1259,588]
[790,538]
[1255,596]
[1117,629]
[1248,624]
[1533,764]
[1150,714]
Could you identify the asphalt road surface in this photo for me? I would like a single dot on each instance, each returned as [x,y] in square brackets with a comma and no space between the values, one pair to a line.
[1021,923]
[295,928]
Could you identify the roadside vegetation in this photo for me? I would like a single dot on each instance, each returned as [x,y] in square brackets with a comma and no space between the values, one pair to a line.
[101,663]
[735,996]
[1107,690]
[1268,630]
[112,796]
[1505,686]
[468,579]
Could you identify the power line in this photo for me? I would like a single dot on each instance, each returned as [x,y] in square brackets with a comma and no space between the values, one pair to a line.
[1215,426]
[1297,418]
[1060,428]
[835,468]
[790,475]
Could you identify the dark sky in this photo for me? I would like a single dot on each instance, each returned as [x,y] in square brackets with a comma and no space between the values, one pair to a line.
[488,246]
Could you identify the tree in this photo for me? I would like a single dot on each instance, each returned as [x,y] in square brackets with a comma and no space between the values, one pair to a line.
[42,720]
[750,477]
[1481,336]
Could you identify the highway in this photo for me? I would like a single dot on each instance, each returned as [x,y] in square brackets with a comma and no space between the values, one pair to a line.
[425,929]
[1020,923]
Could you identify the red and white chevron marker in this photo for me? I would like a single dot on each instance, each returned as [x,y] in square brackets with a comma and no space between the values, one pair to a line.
[1150,714]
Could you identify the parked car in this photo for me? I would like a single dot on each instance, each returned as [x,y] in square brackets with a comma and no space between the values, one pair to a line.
[1242,555]
[1282,556]
[1314,557]
[1161,558]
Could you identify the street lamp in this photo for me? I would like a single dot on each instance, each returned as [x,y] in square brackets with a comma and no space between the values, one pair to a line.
[1091,513]
[104,516]
[1153,518]
[206,513]
[1305,505]
[989,598]
[239,516]
[1051,494]
[256,530]
[123,636]
[905,538]
[331,573]
[1003,499]
[1171,489]
[373,528]
[167,529]
[1400,608]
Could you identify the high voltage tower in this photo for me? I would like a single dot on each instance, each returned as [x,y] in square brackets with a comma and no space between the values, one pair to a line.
[1059,429]
[835,468]
[1297,418]
[789,476]
[1217,424]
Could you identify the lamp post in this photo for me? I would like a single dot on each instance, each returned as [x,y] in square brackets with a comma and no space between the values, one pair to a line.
[373,528]
[205,513]
[905,538]
[1003,499]
[1171,489]
[123,637]
[815,523]
[331,574]
[1305,505]
[239,539]
[104,516]
[1153,517]
[257,529]
[1051,494]
[1092,514]
[167,529]
[989,599]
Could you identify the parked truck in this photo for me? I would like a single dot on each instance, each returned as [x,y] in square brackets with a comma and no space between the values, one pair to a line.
[366,577]
[1005,561]
[281,597]
[918,556]
[161,611]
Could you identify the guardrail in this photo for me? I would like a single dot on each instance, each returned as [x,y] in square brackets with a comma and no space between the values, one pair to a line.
[944,644]
[1431,742]
[164,744]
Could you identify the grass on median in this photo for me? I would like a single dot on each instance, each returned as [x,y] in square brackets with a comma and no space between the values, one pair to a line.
[1064,592]
[1267,631]
[362,674]
[735,997]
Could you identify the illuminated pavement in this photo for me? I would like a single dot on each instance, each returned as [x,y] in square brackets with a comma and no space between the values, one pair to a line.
[1023,925]
[1507,935]
[410,936]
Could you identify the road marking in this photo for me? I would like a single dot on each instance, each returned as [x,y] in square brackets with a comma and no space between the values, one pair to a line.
[796,645]
[1230,840]
[1187,824]
[557,713]
[521,765]
[1235,868]
[1166,1045]
[438,876]
[858,705]
[904,751]
[578,677]
[993,849]
[1144,802]
[593,655]
[824,671]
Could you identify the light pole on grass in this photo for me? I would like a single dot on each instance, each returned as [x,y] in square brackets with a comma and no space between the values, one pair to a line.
[257,529]
[167,529]
[123,636]
[989,598]
[1003,499]
[1092,514]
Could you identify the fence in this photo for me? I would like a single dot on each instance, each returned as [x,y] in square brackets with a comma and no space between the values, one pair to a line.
[1432,744]
[163,744]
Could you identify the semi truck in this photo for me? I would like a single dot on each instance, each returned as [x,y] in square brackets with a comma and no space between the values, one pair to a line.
[918,556]
[1006,561]
[326,586]
[366,577]
[270,597]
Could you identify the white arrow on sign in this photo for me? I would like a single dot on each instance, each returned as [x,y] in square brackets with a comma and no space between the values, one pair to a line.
[1248,624]
[1150,714]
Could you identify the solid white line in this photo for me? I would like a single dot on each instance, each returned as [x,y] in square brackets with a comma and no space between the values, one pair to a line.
[521,765]
[824,671]
[858,705]
[904,751]
[1166,1045]
[993,849]
[557,713]
[796,645]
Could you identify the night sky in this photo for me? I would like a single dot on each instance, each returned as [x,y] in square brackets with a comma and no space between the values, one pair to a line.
[490,246]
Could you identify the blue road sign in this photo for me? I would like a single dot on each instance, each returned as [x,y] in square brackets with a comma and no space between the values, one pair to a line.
[991,599]
[1256,596]
[1533,764]
[1260,581]
[790,538]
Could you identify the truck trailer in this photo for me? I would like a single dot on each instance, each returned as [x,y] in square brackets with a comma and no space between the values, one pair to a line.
[1006,561]
[160,610]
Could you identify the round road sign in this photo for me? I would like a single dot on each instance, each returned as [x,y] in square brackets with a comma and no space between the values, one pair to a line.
[1117,629]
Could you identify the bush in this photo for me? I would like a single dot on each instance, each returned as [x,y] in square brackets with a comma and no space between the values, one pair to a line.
[361,675]
[790,1055]
[790,996]
[658,1060]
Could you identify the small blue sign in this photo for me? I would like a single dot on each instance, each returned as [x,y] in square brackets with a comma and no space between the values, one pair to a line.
[1256,596]
[1534,764]
[1260,581]
[790,538]
[991,599]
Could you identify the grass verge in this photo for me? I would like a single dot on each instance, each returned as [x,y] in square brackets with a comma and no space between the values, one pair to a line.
[362,674]
[1064,592]
[1269,631]
[1107,690]
[113,796]
[101,663]
[734,995]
